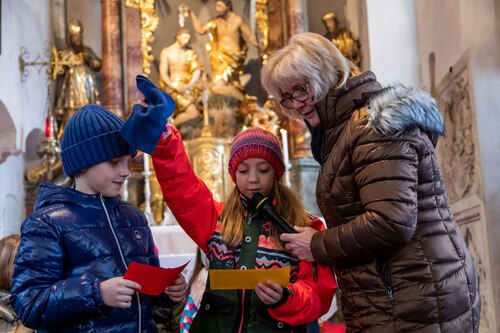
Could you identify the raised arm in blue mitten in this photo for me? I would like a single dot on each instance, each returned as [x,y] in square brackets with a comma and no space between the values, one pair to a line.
[144,126]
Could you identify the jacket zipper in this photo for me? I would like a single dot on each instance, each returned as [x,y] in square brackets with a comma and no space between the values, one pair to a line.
[123,258]
[385,278]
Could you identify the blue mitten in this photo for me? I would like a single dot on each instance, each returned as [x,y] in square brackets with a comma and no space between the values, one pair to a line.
[144,127]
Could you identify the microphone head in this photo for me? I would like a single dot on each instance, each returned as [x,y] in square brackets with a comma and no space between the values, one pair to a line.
[258,200]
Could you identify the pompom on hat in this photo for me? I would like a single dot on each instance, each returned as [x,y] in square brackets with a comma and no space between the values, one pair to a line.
[256,142]
[91,136]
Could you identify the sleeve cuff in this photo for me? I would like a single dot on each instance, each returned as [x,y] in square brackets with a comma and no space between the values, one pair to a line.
[96,296]
[286,293]
[166,132]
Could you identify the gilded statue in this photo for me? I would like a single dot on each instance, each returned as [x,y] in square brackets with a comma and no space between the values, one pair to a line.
[180,72]
[342,38]
[79,86]
[226,47]
[259,116]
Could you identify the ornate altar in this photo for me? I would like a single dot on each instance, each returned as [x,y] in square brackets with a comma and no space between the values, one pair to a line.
[215,102]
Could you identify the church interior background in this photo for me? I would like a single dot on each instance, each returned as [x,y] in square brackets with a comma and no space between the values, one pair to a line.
[449,47]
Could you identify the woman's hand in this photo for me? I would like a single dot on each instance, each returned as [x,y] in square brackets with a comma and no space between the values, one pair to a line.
[177,290]
[117,292]
[269,293]
[299,244]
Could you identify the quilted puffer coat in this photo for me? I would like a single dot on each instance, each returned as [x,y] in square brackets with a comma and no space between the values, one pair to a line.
[69,245]
[400,259]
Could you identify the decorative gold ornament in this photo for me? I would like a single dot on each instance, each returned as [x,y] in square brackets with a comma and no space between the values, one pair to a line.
[262,29]
[55,62]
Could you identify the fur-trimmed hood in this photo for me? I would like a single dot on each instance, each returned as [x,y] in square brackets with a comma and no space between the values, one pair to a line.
[398,107]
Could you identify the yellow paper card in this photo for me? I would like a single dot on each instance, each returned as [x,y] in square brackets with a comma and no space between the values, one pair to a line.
[247,278]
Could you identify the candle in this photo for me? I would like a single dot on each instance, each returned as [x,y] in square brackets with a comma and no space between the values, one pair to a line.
[147,192]
[284,142]
[205,97]
[146,162]
[50,130]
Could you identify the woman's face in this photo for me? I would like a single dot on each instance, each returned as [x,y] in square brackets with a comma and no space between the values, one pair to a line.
[305,108]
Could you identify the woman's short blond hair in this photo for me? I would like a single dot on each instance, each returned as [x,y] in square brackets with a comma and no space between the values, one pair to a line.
[310,59]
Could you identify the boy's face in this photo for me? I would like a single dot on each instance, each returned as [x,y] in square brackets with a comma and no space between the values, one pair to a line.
[105,178]
[255,175]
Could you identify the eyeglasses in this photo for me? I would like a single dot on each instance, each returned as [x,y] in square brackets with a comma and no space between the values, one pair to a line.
[300,95]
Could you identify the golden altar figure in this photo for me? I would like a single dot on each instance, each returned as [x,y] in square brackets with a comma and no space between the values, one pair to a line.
[79,86]
[180,72]
[227,47]
[342,38]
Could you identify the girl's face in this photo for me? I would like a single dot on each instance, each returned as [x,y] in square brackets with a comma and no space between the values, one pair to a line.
[105,178]
[306,107]
[255,175]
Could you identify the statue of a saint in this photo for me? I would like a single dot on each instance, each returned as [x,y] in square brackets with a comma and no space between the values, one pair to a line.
[342,38]
[227,47]
[180,71]
[79,85]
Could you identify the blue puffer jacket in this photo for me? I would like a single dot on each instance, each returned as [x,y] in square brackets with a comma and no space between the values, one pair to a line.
[69,245]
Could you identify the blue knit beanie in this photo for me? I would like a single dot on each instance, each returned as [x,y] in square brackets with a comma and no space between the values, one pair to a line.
[91,136]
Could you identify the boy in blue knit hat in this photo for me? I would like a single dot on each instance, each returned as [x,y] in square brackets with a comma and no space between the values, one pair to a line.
[78,243]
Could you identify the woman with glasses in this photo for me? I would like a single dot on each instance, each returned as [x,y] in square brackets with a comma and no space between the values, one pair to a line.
[401,262]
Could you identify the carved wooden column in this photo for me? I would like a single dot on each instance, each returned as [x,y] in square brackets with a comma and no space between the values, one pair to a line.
[58,16]
[277,33]
[112,66]
[141,22]
[296,16]
[133,52]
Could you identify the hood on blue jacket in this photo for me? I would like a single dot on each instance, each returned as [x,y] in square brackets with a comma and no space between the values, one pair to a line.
[398,107]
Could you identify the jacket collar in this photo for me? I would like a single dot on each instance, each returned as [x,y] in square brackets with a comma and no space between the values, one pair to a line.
[49,194]
[340,102]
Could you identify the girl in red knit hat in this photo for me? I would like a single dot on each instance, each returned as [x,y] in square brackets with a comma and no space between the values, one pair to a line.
[233,235]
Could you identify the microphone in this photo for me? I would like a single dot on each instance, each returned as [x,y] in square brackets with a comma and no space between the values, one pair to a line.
[261,203]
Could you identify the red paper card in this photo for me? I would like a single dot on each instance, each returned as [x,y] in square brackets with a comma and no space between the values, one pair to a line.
[152,279]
